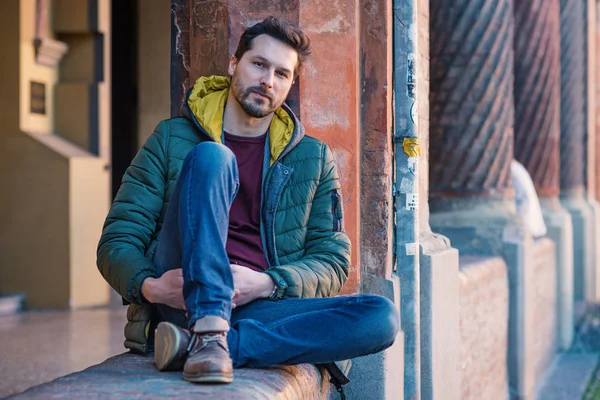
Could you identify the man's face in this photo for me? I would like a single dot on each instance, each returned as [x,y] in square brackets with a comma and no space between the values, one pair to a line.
[262,78]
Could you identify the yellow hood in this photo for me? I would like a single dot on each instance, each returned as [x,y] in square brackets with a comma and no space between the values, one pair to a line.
[207,102]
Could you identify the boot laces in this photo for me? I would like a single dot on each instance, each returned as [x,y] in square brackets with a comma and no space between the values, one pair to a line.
[206,339]
[212,337]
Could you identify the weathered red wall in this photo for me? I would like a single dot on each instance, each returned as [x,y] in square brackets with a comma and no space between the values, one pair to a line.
[328,102]
[328,90]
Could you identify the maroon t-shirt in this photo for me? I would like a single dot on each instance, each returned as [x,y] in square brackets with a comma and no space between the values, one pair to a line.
[244,245]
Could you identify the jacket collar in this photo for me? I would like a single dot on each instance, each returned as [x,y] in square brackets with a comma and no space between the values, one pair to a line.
[205,105]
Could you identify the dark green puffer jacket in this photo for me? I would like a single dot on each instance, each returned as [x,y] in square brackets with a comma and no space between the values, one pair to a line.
[302,219]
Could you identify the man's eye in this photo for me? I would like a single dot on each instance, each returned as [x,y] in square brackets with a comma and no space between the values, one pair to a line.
[282,74]
[258,64]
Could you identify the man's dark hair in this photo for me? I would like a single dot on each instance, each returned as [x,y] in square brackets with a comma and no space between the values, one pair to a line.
[280,30]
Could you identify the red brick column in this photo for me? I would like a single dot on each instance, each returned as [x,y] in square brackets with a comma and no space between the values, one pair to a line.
[471,149]
[589,34]
[572,141]
[537,92]
[574,150]
[537,136]
[205,34]
[471,136]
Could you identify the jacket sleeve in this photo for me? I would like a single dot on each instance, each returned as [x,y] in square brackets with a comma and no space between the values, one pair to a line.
[133,217]
[323,269]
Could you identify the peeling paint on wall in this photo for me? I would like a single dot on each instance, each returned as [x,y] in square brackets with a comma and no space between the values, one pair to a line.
[343,162]
[334,25]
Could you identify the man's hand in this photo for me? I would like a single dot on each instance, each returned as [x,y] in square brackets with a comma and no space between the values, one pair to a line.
[250,285]
[168,289]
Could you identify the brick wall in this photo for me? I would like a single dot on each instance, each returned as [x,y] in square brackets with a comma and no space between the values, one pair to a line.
[483,295]
[545,343]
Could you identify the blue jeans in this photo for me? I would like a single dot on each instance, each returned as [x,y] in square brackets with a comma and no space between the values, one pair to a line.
[263,332]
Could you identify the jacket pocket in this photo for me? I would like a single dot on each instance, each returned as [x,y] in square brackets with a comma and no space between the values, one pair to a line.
[337,211]
[137,328]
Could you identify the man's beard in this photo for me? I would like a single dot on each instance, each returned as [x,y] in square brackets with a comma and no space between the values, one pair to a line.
[252,107]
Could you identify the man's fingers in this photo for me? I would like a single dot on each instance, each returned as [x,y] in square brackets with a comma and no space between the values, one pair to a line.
[174,275]
[236,293]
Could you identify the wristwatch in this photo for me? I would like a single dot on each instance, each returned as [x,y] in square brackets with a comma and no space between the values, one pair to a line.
[280,284]
[273,294]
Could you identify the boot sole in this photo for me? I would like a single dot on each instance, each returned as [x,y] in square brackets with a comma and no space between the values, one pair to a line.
[168,340]
[209,378]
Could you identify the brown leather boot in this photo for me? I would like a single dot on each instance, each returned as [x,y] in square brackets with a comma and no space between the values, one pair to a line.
[208,360]
[170,346]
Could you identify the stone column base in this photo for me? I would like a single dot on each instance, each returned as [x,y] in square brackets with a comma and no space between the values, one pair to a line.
[560,230]
[582,216]
[488,227]
[379,376]
[440,339]
[594,282]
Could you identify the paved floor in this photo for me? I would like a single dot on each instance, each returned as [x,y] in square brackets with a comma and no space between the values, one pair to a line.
[37,347]
[569,376]
[575,372]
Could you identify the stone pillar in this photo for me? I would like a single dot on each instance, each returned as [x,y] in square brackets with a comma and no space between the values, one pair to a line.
[153,62]
[597,120]
[471,148]
[376,155]
[328,100]
[592,155]
[80,93]
[537,135]
[589,33]
[573,149]
[426,263]
[440,341]
[379,375]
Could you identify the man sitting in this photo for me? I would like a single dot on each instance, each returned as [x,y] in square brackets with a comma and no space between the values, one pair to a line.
[228,233]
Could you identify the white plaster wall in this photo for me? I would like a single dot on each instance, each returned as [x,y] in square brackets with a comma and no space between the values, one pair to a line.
[154,63]
[30,71]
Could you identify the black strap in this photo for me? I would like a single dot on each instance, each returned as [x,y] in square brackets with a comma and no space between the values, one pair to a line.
[338,379]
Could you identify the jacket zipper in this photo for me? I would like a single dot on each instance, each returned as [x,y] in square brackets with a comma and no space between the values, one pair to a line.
[336,211]
[264,183]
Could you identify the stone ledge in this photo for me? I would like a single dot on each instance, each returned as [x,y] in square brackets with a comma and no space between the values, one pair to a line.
[129,376]
[475,271]
[483,327]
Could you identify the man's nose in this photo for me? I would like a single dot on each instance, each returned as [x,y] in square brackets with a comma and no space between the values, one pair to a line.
[267,79]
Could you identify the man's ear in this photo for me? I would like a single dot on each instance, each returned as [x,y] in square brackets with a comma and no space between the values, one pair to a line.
[232,65]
